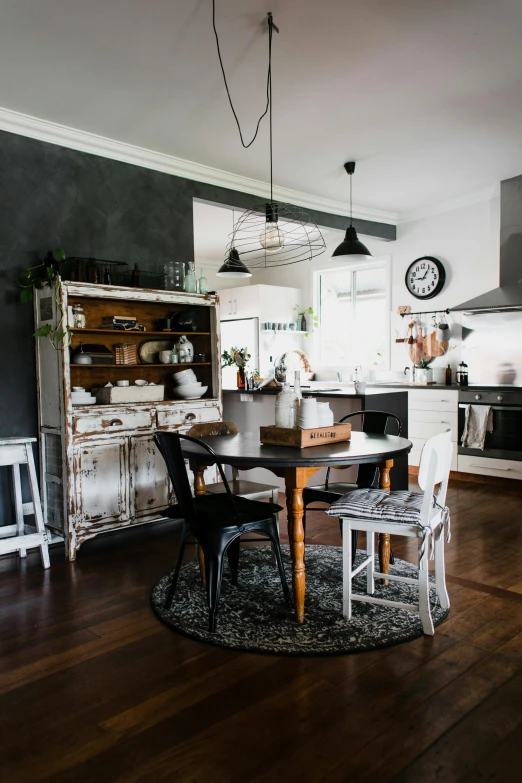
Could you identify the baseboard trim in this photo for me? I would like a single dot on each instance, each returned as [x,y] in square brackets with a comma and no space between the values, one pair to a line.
[498,481]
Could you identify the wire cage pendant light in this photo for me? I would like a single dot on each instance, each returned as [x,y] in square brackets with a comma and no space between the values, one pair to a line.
[351,248]
[271,233]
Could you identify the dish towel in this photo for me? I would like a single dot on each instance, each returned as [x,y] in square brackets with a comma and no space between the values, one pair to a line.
[478,422]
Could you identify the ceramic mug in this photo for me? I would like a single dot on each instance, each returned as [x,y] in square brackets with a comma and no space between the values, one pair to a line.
[122,383]
[165,357]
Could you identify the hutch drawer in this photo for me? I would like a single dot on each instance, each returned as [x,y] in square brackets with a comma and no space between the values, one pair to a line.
[187,416]
[113,421]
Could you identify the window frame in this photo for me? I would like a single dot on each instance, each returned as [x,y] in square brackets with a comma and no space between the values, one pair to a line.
[352,267]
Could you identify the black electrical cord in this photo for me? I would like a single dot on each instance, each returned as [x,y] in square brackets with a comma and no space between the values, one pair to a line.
[268,78]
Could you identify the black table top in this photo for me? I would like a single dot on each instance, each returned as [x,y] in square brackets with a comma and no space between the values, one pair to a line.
[246,449]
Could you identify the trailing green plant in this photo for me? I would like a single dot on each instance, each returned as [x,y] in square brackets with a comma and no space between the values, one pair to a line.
[308,311]
[237,356]
[45,275]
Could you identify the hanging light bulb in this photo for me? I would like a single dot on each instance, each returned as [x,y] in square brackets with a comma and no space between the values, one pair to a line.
[351,248]
[272,238]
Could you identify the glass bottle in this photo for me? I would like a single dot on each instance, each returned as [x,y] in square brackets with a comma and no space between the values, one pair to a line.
[78,317]
[297,384]
[189,282]
[286,408]
[448,375]
[203,286]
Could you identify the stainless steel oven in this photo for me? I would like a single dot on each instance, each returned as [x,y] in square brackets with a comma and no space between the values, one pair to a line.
[505,442]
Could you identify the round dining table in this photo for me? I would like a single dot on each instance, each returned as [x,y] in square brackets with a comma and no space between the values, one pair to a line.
[296,466]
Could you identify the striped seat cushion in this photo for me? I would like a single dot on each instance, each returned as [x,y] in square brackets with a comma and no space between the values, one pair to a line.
[398,506]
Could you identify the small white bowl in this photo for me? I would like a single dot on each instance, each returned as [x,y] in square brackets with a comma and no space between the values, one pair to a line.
[78,388]
[122,383]
[140,382]
[184,376]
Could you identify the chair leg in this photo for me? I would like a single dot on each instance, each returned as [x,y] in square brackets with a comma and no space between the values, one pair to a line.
[37,507]
[275,498]
[19,512]
[277,552]
[172,588]
[214,569]
[370,571]
[355,538]
[347,569]
[233,558]
[424,593]
[440,572]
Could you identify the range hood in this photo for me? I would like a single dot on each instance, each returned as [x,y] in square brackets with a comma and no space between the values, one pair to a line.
[508,296]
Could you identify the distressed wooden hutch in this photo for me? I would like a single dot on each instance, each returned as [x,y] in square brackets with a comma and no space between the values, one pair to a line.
[100,470]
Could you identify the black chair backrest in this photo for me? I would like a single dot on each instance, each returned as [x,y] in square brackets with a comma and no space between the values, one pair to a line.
[170,445]
[374,423]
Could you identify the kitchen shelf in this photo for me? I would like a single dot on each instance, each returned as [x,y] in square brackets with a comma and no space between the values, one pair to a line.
[140,366]
[136,333]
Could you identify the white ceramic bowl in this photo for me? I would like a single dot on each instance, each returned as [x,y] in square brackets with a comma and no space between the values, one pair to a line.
[140,382]
[184,376]
[190,393]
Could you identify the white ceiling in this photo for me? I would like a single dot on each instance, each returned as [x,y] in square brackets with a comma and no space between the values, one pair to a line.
[423,94]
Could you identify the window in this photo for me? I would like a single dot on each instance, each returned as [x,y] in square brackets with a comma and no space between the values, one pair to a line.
[354,315]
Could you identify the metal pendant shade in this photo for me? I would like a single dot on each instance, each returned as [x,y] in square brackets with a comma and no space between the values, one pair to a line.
[233,266]
[272,233]
[351,248]
[275,234]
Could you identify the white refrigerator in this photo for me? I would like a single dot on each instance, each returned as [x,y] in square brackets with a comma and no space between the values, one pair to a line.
[240,333]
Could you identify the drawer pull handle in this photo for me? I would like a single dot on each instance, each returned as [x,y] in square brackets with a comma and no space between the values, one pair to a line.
[115,423]
[190,416]
[488,467]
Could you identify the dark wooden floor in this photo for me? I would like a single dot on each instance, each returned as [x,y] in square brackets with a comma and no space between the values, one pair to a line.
[94,688]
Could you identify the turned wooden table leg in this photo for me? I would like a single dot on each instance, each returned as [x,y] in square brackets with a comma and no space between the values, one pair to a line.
[296,479]
[384,538]
[199,489]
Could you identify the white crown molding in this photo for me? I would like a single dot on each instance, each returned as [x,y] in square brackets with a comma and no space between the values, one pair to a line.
[484,194]
[64,136]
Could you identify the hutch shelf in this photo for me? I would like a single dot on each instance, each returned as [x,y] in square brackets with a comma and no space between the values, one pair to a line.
[99,464]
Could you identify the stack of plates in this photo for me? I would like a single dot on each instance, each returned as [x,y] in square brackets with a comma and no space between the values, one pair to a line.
[79,396]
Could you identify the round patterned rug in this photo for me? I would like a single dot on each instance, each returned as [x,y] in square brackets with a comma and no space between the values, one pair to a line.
[253,615]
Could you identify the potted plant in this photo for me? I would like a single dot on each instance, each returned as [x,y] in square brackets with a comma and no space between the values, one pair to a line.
[46,274]
[238,357]
[302,323]
[426,373]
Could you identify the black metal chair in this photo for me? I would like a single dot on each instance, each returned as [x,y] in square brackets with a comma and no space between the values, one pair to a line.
[375,422]
[215,521]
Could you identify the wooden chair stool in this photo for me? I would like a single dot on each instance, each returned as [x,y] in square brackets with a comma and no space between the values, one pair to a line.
[13,453]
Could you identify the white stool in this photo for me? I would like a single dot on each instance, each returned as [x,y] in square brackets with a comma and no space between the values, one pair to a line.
[15,452]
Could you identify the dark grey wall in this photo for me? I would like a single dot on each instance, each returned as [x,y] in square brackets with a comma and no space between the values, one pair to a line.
[52,196]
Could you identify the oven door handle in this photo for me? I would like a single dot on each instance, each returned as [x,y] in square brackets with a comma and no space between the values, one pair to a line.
[494,407]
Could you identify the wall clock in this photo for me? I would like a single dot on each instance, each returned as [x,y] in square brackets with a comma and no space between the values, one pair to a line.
[425,277]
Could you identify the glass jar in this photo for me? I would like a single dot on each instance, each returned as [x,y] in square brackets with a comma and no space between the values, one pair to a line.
[203,286]
[297,384]
[79,321]
[286,408]
[189,282]
[173,272]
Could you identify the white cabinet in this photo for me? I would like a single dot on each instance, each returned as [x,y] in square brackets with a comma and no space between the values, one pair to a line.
[150,487]
[489,466]
[266,302]
[430,412]
[100,470]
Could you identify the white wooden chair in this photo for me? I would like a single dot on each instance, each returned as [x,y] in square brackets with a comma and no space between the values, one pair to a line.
[17,537]
[413,514]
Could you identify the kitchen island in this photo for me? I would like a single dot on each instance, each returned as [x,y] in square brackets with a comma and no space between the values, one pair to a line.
[253,409]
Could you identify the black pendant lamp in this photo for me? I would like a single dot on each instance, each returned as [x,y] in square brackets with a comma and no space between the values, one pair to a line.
[351,248]
[233,266]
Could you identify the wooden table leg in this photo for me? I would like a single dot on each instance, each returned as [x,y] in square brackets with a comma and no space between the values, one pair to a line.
[295,480]
[199,489]
[384,538]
